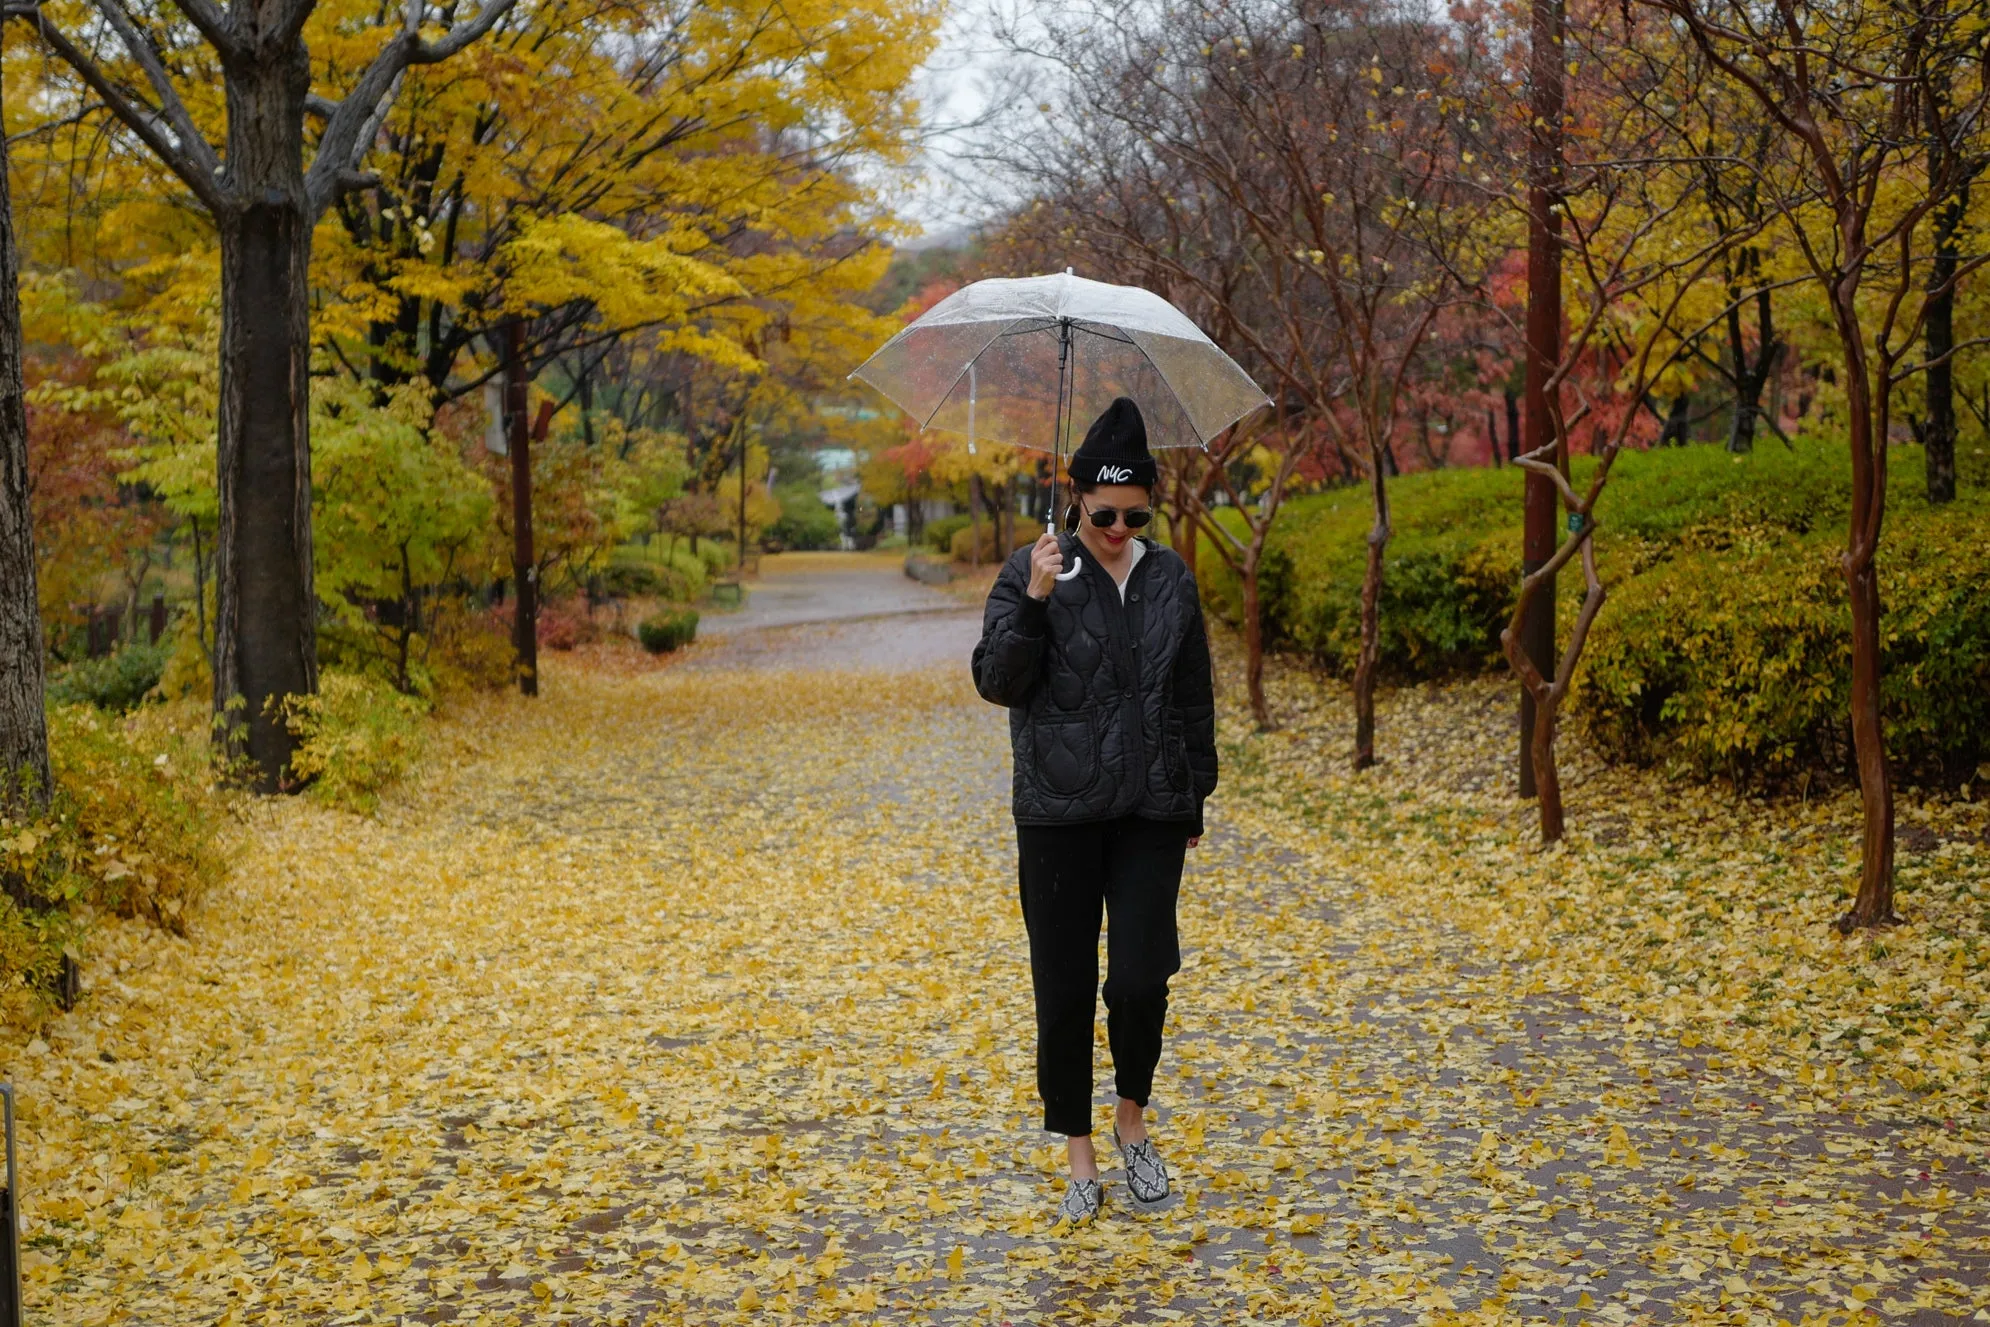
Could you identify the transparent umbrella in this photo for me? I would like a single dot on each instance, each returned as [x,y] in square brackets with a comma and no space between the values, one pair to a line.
[1016,359]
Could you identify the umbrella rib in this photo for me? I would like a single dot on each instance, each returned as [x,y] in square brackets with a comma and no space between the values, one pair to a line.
[1162,374]
[1194,427]
[963,372]
[1124,338]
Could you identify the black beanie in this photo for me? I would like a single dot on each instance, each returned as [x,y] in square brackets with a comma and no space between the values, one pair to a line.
[1115,449]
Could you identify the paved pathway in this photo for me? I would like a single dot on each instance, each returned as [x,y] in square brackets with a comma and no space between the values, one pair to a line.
[795,588]
[699,996]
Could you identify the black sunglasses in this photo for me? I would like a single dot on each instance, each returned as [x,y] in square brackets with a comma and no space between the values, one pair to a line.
[1103,517]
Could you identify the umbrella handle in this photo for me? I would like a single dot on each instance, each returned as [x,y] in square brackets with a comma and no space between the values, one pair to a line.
[1076,562]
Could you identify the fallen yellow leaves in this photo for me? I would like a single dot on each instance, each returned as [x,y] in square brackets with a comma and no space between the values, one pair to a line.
[700,996]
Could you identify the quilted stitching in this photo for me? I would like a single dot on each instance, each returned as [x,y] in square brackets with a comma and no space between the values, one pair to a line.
[1110,709]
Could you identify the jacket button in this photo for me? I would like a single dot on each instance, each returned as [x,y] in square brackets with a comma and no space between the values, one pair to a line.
[1133,598]
[1128,693]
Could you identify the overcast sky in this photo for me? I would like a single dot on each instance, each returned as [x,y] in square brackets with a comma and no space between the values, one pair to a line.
[955,89]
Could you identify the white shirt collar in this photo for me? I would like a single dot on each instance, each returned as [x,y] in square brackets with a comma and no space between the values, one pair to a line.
[1139,552]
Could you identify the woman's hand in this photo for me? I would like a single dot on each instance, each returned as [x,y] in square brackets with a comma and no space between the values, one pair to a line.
[1197,839]
[1046,560]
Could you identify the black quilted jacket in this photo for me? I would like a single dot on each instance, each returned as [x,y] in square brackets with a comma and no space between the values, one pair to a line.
[1111,708]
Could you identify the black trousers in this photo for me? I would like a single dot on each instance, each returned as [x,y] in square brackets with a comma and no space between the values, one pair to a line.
[1131,870]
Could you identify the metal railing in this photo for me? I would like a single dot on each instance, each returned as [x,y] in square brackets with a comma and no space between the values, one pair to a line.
[10,1217]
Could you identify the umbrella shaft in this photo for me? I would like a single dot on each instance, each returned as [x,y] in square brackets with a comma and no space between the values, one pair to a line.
[1061,426]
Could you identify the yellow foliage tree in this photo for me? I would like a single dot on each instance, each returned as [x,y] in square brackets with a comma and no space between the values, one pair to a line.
[689,198]
[226,98]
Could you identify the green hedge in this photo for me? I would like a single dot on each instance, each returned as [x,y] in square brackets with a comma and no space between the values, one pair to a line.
[1723,646]
[652,568]
[1454,558]
[1737,660]
[116,681]
[667,631]
[806,521]
[939,534]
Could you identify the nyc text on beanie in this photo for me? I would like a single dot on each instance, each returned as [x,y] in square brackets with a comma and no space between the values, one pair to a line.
[1115,449]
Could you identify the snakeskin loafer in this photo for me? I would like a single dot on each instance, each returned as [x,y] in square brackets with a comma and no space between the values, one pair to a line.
[1081,1202]
[1146,1173]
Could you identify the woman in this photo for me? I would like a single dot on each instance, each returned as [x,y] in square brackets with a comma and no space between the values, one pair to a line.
[1112,722]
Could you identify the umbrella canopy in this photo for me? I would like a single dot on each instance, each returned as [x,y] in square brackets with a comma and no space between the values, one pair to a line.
[1015,359]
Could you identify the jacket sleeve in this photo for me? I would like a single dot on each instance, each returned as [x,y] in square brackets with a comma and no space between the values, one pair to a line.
[1013,626]
[1195,696]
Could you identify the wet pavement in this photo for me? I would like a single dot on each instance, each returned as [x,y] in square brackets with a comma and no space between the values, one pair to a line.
[794,588]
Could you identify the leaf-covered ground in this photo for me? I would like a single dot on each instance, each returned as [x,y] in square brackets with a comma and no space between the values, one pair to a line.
[699,994]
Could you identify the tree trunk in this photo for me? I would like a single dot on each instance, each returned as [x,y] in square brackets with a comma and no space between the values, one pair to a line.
[1672,433]
[1539,501]
[1512,425]
[23,721]
[1874,904]
[524,564]
[200,595]
[1187,536]
[1371,628]
[1749,378]
[265,618]
[974,505]
[1938,437]
[1547,778]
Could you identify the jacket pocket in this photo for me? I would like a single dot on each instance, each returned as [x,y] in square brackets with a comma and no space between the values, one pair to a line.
[1065,753]
[1174,748]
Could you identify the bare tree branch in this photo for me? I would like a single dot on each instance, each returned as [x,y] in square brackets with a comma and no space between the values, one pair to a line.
[142,49]
[217,27]
[196,171]
[351,122]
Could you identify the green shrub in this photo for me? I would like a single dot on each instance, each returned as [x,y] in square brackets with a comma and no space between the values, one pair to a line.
[939,534]
[117,681]
[1737,661]
[716,555]
[806,521]
[660,571]
[961,546]
[685,576]
[131,829]
[667,631]
[1724,647]
[39,886]
[629,577]
[1447,583]
[142,792]
[356,738]
[1452,565]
